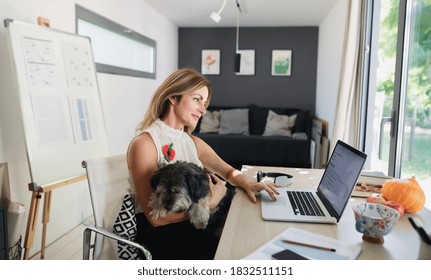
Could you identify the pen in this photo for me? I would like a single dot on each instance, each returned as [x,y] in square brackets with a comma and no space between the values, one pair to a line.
[420,230]
[309,245]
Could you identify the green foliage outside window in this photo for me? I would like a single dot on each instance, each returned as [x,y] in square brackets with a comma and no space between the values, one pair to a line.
[419,75]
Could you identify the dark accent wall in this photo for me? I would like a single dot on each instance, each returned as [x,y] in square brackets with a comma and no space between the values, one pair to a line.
[229,89]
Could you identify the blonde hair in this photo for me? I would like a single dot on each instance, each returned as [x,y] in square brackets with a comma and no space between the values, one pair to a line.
[181,82]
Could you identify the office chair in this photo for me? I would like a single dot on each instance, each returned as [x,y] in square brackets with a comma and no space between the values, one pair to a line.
[113,203]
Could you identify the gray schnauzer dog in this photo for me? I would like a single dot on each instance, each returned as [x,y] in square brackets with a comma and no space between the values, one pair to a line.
[182,186]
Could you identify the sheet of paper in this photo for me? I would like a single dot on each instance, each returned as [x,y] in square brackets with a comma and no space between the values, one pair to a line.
[79,66]
[85,126]
[344,251]
[50,116]
[40,62]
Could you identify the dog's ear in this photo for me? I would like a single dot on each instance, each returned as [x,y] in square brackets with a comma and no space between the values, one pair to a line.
[155,180]
[198,186]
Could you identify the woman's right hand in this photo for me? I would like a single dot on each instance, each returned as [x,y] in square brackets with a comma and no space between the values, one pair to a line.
[217,190]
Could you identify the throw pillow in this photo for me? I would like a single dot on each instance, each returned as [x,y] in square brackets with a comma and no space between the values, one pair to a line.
[126,227]
[210,122]
[257,119]
[279,125]
[301,124]
[234,121]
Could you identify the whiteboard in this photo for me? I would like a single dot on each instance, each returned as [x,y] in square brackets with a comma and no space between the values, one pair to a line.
[59,99]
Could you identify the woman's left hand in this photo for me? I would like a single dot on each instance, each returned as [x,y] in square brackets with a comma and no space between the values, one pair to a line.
[217,189]
[253,188]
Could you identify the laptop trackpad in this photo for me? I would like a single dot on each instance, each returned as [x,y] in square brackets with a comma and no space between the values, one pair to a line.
[264,196]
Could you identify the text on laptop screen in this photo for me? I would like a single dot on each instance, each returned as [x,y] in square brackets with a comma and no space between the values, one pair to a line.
[340,175]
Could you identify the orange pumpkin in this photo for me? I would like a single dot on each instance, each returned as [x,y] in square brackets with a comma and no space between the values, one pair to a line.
[406,192]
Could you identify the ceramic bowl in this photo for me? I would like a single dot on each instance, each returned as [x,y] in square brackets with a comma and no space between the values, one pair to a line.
[374,220]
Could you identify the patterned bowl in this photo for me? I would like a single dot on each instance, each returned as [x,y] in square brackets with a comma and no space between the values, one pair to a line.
[374,220]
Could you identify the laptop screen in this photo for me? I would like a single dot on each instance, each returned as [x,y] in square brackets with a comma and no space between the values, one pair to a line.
[340,175]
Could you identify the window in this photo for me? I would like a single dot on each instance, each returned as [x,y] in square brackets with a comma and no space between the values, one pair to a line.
[117,49]
[399,114]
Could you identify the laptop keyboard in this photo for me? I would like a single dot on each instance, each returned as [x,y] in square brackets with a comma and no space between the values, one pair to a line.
[304,203]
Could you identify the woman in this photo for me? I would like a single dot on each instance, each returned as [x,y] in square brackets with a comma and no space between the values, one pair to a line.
[163,137]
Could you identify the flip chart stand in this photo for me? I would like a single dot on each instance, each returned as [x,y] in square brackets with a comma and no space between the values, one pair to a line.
[37,192]
[52,71]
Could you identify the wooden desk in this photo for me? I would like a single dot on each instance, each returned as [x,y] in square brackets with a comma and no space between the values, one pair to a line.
[245,230]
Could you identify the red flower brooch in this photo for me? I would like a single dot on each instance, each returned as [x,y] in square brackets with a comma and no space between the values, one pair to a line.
[168,152]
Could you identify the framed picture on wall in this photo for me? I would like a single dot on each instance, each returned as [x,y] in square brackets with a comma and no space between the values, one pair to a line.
[281,63]
[210,62]
[246,66]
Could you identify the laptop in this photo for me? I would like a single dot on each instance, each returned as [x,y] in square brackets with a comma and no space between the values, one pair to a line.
[327,203]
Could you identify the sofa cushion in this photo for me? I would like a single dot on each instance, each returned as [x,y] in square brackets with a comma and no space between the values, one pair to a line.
[279,125]
[234,121]
[239,150]
[210,122]
[302,121]
[258,116]
[257,119]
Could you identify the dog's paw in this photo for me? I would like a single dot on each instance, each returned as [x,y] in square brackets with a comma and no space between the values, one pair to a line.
[199,223]
[199,213]
[158,213]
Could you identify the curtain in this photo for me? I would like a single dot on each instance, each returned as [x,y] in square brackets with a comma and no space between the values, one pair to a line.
[347,109]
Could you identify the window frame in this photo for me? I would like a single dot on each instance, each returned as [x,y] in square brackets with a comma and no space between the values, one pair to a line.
[110,26]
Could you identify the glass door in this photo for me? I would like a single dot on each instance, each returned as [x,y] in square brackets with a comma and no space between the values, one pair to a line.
[381,97]
[401,129]
[416,92]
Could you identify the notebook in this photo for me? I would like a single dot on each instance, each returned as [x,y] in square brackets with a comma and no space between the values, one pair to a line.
[327,203]
[344,250]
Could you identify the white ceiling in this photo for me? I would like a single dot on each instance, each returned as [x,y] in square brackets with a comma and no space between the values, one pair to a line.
[262,13]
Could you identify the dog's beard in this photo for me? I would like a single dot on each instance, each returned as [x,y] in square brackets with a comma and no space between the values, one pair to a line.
[163,201]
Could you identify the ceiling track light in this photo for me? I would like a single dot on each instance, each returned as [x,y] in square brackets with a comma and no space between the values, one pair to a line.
[216,16]
[237,62]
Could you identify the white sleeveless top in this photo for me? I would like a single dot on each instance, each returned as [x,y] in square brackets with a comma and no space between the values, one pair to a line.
[172,145]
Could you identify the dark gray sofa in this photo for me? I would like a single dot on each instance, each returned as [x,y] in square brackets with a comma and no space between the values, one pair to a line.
[256,149]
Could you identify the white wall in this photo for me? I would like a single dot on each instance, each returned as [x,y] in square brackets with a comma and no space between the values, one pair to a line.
[124,99]
[330,50]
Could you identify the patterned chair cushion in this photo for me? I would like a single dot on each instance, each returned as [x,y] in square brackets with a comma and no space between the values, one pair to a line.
[126,227]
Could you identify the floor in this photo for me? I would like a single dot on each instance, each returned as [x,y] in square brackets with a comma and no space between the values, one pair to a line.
[67,247]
